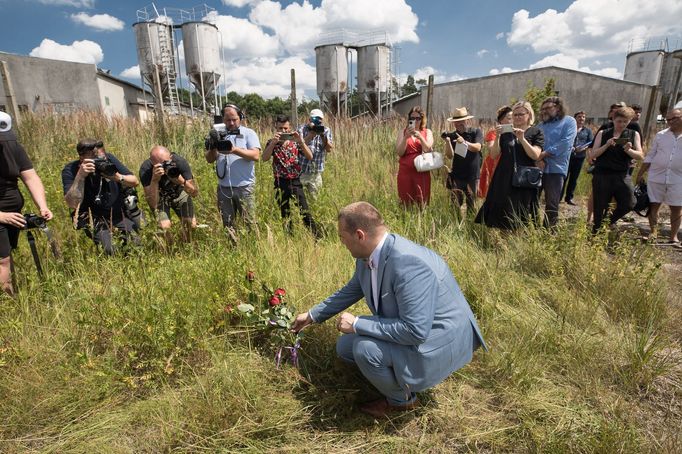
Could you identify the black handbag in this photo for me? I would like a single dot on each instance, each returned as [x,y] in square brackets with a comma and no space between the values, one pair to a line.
[526,176]
[641,200]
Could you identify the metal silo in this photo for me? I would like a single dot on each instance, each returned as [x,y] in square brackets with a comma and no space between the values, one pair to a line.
[644,67]
[156,54]
[202,58]
[374,74]
[332,77]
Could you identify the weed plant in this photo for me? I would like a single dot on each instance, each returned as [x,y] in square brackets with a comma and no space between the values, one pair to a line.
[137,352]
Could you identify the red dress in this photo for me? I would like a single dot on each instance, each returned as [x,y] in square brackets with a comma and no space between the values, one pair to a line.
[413,186]
[488,167]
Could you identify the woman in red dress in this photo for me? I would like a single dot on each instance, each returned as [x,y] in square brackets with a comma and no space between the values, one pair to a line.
[414,187]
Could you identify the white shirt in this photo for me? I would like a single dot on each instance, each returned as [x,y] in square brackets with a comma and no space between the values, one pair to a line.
[373,263]
[665,157]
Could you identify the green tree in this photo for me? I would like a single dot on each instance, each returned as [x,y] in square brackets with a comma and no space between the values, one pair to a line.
[535,95]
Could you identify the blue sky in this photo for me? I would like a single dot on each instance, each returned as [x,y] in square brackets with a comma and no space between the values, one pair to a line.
[263,39]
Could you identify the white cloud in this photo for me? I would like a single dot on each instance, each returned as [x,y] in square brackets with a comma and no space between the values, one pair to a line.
[79,51]
[100,22]
[424,72]
[482,52]
[270,77]
[131,73]
[499,35]
[239,3]
[74,3]
[581,31]
[505,70]
[297,26]
[242,38]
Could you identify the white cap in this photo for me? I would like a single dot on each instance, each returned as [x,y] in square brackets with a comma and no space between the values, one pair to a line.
[5,122]
[316,113]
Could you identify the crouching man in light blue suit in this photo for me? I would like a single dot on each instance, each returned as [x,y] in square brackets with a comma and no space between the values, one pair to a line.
[421,328]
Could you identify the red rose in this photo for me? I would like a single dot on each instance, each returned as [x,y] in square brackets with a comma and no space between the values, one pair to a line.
[250,276]
[280,292]
[275,301]
[228,309]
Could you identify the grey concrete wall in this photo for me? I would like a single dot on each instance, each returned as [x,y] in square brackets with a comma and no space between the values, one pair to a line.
[51,84]
[482,96]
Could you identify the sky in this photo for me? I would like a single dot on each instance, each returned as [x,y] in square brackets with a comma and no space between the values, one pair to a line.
[264,39]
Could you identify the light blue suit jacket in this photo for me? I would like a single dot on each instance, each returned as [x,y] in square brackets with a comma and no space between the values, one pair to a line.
[421,310]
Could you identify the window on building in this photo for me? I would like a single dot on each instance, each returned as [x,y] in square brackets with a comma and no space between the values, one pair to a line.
[106,100]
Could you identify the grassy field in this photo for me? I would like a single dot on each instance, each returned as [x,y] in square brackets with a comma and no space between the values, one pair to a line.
[138,353]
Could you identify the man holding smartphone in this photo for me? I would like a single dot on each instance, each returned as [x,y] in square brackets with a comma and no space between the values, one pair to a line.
[318,138]
[286,148]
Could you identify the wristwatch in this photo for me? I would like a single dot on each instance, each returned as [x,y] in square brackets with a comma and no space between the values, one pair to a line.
[120,178]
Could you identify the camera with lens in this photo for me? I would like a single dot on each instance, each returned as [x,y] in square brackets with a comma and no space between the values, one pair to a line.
[449,135]
[171,168]
[103,166]
[33,221]
[218,138]
[317,129]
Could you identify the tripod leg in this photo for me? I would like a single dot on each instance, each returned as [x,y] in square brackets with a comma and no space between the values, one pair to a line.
[34,251]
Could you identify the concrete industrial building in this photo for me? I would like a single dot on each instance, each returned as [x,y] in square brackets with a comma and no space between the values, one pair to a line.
[582,91]
[40,84]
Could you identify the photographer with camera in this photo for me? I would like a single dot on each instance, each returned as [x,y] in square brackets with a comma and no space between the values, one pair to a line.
[95,188]
[234,149]
[318,138]
[168,183]
[14,165]
[463,145]
[285,148]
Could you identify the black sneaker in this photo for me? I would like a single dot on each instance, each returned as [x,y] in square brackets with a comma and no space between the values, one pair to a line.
[570,202]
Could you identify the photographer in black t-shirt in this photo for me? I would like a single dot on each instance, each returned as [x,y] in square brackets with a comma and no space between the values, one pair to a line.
[15,165]
[463,177]
[95,188]
[168,183]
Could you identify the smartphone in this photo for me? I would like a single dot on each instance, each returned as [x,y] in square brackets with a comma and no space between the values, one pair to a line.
[286,136]
[506,128]
[412,124]
[622,140]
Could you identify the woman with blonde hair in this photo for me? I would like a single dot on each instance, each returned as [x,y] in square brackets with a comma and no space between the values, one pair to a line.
[414,187]
[507,206]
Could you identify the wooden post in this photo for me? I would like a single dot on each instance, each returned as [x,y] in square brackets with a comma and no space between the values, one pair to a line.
[159,104]
[429,100]
[652,110]
[294,111]
[12,107]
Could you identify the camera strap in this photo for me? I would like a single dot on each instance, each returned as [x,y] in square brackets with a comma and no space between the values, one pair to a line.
[34,251]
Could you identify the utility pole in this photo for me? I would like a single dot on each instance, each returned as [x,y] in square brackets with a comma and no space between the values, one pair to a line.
[9,92]
[429,99]
[294,112]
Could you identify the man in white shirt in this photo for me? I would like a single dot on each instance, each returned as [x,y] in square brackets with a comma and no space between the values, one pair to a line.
[664,183]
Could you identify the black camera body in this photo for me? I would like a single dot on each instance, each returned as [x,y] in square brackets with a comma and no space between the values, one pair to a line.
[218,138]
[103,166]
[449,135]
[317,129]
[33,221]
[171,168]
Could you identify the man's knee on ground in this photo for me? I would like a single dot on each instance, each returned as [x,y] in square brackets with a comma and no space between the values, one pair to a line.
[366,350]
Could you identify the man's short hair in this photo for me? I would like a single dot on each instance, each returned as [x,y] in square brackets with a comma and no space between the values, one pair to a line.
[637,108]
[85,145]
[580,112]
[502,112]
[281,118]
[360,215]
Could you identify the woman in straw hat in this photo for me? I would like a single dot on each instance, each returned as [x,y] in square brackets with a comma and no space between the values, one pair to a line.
[508,207]
[414,187]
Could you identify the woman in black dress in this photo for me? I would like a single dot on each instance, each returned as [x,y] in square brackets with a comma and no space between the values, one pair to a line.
[508,207]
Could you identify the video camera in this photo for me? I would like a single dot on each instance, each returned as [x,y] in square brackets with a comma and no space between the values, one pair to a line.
[218,138]
[171,168]
[103,166]
[33,221]
[449,135]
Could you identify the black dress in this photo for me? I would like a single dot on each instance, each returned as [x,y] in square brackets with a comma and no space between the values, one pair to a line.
[507,207]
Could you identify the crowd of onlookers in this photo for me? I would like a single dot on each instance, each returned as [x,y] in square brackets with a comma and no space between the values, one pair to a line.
[518,162]
[510,168]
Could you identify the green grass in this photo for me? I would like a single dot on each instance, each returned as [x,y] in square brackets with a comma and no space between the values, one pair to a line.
[136,353]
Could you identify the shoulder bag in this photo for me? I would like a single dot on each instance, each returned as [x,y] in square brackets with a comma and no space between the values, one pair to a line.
[526,176]
[428,161]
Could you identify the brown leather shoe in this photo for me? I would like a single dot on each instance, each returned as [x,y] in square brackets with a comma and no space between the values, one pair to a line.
[380,407]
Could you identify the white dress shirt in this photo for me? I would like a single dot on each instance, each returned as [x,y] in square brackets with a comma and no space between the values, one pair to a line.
[665,157]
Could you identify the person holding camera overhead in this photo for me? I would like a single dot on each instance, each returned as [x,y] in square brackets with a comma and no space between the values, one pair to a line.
[318,138]
[463,145]
[14,165]
[509,205]
[234,149]
[96,186]
[413,187]
[285,148]
[168,183]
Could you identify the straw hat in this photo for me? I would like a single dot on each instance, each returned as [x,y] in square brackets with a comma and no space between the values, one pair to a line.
[460,114]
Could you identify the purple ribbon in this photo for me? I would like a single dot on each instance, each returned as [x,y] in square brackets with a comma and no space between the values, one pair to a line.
[293,354]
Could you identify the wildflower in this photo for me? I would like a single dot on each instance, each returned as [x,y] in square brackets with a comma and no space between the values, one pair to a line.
[280,292]
[228,309]
[250,276]
[275,301]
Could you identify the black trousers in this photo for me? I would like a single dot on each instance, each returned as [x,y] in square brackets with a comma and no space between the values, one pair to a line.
[552,183]
[461,189]
[575,166]
[103,234]
[604,188]
[285,191]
